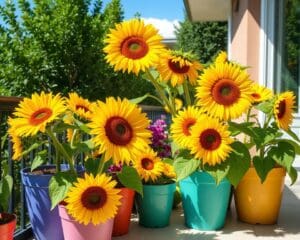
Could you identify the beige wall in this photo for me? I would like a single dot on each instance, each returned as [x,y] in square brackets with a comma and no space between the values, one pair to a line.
[245,39]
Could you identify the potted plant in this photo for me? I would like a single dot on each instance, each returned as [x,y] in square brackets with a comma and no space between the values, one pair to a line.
[274,146]
[99,134]
[155,205]
[7,220]
[202,142]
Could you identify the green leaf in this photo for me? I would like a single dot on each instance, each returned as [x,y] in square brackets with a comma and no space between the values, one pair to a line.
[293,135]
[82,126]
[263,166]
[242,127]
[185,167]
[293,175]
[283,154]
[130,178]
[6,185]
[139,99]
[59,185]
[265,107]
[239,162]
[218,172]
[40,158]
[61,127]
[291,142]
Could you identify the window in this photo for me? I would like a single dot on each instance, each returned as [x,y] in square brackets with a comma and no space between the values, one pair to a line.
[287,47]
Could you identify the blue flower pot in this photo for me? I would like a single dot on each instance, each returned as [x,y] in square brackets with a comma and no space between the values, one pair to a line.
[204,203]
[155,207]
[46,223]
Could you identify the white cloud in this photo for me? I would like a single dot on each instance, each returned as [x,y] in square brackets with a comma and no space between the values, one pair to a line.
[166,27]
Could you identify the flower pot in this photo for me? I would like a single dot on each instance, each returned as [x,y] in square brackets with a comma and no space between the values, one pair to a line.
[155,207]
[204,203]
[258,202]
[122,219]
[45,222]
[72,230]
[7,228]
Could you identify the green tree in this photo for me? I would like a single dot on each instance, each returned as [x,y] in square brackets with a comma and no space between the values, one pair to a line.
[205,39]
[57,46]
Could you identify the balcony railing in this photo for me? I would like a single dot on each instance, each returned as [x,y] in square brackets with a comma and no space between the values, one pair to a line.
[17,201]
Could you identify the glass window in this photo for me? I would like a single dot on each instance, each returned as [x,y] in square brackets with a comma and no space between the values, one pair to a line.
[287,47]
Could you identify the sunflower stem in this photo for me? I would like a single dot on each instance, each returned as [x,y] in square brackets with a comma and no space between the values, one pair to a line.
[101,165]
[187,93]
[60,149]
[161,92]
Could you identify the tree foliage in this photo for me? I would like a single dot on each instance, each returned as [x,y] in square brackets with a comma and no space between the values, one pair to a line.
[205,39]
[56,45]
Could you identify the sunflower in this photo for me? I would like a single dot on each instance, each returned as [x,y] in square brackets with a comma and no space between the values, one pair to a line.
[182,123]
[283,109]
[210,141]
[178,105]
[120,129]
[34,114]
[149,166]
[260,93]
[80,106]
[176,66]
[133,46]
[169,171]
[93,199]
[221,58]
[17,145]
[224,91]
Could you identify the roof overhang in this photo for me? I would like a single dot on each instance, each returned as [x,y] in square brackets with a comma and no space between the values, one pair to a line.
[208,10]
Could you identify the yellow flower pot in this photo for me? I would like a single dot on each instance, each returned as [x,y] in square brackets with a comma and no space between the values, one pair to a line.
[256,202]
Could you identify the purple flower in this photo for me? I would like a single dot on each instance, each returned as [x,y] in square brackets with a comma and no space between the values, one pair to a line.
[160,141]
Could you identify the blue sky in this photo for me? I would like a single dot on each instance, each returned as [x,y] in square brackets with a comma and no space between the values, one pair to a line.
[164,14]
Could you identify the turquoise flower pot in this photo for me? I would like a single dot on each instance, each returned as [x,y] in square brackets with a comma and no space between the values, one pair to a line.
[204,203]
[155,207]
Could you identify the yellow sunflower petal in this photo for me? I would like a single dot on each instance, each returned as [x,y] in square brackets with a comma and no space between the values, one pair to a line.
[210,141]
[93,199]
[283,109]
[119,129]
[133,46]
[224,91]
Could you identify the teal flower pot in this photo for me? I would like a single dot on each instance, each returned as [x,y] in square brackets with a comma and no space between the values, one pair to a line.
[204,203]
[155,207]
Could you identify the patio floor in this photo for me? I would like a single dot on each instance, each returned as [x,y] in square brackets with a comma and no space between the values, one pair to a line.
[288,226]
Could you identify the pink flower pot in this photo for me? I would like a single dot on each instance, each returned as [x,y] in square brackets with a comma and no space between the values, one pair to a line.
[73,230]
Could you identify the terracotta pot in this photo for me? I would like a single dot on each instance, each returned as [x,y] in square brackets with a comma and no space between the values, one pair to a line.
[7,229]
[122,219]
[258,202]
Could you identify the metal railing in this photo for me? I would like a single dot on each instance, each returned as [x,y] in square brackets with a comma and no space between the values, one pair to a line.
[17,202]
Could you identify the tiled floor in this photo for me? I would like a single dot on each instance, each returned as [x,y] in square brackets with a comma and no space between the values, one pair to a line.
[288,226]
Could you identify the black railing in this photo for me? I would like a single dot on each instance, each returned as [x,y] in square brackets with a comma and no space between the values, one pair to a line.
[17,202]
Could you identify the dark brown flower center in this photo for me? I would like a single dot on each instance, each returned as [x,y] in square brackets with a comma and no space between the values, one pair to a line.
[210,139]
[118,131]
[134,47]
[187,124]
[147,164]
[281,109]
[40,116]
[256,96]
[225,92]
[175,67]
[84,108]
[94,198]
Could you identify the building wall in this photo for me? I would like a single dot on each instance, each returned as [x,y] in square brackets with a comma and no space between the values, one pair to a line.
[245,35]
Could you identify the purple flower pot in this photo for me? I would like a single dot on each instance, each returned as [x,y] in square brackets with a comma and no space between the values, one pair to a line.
[45,223]
[73,230]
